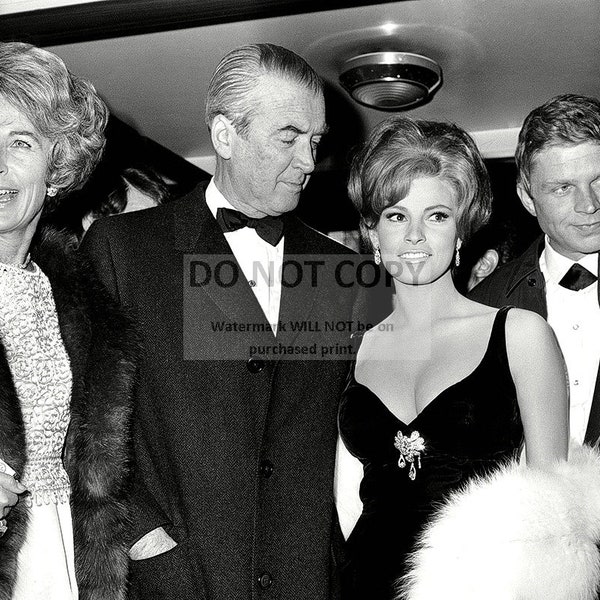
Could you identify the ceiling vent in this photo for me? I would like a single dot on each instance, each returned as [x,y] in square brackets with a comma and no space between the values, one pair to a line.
[391,80]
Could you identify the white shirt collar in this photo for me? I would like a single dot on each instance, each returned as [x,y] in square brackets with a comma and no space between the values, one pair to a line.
[556,265]
[214,198]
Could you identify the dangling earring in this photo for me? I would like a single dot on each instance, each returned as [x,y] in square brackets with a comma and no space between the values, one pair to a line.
[377,256]
[457,253]
[51,190]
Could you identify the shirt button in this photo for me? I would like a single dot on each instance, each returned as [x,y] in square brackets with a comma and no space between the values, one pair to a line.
[265,581]
[266,468]
[252,283]
[576,382]
[255,365]
[576,327]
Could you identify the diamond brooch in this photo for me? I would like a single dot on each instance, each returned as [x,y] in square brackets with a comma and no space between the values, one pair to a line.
[410,449]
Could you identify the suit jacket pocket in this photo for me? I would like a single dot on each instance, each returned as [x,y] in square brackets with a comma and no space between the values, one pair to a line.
[166,576]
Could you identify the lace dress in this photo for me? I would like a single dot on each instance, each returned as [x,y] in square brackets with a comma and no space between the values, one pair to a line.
[41,371]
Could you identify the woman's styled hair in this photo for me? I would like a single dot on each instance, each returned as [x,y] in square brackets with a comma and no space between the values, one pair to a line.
[401,150]
[236,75]
[565,119]
[109,195]
[62,107]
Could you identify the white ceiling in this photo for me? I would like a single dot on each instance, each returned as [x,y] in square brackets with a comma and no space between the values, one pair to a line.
[8,7]
[500,59]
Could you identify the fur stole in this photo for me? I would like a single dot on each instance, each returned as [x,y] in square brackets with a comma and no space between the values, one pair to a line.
[518,534]
[103,351]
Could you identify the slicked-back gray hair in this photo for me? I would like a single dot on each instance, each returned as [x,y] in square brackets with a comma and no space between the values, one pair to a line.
[237,74]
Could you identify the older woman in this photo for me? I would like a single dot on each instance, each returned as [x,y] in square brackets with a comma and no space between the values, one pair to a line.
[445,391]
[66,354]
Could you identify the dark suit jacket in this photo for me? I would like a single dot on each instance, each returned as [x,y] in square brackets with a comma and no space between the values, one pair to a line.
[521,283]
[234,448]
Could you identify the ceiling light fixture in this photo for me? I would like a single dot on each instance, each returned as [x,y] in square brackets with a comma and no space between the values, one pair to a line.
[391,81]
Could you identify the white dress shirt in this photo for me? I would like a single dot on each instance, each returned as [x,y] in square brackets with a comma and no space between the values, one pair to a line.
[260,261]
[575,319]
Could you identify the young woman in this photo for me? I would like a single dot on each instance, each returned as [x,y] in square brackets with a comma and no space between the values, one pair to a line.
[444,390]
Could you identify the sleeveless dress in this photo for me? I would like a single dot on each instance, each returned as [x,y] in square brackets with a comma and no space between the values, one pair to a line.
[41,372]
[469,429]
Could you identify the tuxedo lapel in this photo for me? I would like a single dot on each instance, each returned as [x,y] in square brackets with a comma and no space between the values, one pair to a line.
[526,288]
[598,274]
[298,287]
[210,268]
[592,433]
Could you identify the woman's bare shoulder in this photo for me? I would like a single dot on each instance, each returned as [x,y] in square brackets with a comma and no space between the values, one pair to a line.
[521,323]
[530,340]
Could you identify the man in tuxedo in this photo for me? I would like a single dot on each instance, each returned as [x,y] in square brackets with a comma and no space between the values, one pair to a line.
[558,162]
[244,315]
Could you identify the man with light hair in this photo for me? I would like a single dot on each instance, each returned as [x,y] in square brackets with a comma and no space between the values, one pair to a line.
[558,161]
[235,427]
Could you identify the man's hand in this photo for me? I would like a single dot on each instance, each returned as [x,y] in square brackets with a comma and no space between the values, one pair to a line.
[155,542]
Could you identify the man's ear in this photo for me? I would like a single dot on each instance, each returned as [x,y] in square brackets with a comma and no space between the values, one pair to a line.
[222,134]
[485,265]
[526,199]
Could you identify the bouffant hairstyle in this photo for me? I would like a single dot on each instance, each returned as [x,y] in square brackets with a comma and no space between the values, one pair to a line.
[400,150]
[565,119]
[64,109]
[236,76]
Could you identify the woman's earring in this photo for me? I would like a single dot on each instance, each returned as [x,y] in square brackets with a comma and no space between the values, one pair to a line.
[377,256]
[51,190]
[457,253]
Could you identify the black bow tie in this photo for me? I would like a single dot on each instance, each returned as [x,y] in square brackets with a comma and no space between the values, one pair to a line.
[577,278]
[268,228]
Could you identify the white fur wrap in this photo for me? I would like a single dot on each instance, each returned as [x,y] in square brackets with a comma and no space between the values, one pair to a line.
[518,534]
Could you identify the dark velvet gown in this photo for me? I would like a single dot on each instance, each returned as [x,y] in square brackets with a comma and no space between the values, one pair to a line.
[468,429]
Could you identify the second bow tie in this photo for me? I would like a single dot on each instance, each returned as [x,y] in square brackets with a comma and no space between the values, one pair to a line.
[268,228]
[577,278]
